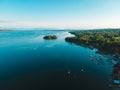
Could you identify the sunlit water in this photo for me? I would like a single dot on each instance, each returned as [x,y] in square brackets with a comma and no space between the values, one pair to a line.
[28,62]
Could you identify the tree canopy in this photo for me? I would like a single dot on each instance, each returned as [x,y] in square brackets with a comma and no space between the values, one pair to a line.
[106,41]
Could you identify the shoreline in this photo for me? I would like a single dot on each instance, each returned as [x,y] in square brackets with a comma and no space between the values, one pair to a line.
[106,41]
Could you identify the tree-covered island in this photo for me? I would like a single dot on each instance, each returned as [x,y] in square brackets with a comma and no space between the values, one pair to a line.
[107,41]
[50,37]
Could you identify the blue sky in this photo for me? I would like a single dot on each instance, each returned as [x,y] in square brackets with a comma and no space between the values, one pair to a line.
[82,14]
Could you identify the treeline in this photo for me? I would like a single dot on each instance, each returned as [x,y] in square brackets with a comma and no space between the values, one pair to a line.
[106,41]
[50,37]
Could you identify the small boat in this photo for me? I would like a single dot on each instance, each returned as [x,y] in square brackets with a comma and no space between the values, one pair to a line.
[116,82]
[91,55]
[91,47]
[97,52]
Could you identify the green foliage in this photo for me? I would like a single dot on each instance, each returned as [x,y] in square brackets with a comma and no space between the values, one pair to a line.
[50,37]
[107,41]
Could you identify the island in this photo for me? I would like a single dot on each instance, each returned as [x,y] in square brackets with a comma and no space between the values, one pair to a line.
[107,41]
[50,37]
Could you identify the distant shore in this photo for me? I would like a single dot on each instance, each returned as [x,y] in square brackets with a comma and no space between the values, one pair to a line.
[5,30]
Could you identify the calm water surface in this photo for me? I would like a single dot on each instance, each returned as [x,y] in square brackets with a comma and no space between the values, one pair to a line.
[27,62]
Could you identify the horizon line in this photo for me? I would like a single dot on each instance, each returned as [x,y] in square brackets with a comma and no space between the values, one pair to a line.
[36,28]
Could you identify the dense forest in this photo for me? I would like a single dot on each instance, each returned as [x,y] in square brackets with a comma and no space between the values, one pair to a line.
[50,37]
[107,41]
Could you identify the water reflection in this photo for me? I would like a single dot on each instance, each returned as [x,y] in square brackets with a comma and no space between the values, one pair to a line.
[97,59]
[115,62]
[48,64]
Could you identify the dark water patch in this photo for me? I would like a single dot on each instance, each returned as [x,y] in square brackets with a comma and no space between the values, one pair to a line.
[37,64]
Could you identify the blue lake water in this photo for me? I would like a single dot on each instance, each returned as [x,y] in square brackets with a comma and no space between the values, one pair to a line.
[28,62]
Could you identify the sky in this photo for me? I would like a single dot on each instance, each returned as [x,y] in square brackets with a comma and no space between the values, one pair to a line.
[62,14]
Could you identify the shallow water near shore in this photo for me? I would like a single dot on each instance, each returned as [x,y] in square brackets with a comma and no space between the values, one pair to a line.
[28,62]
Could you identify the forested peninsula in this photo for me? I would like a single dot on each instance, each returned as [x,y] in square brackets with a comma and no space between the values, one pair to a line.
[107,41]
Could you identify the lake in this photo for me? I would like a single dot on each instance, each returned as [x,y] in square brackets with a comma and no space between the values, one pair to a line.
[28,62]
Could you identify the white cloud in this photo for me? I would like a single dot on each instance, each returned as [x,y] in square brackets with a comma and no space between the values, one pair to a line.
[90,24]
